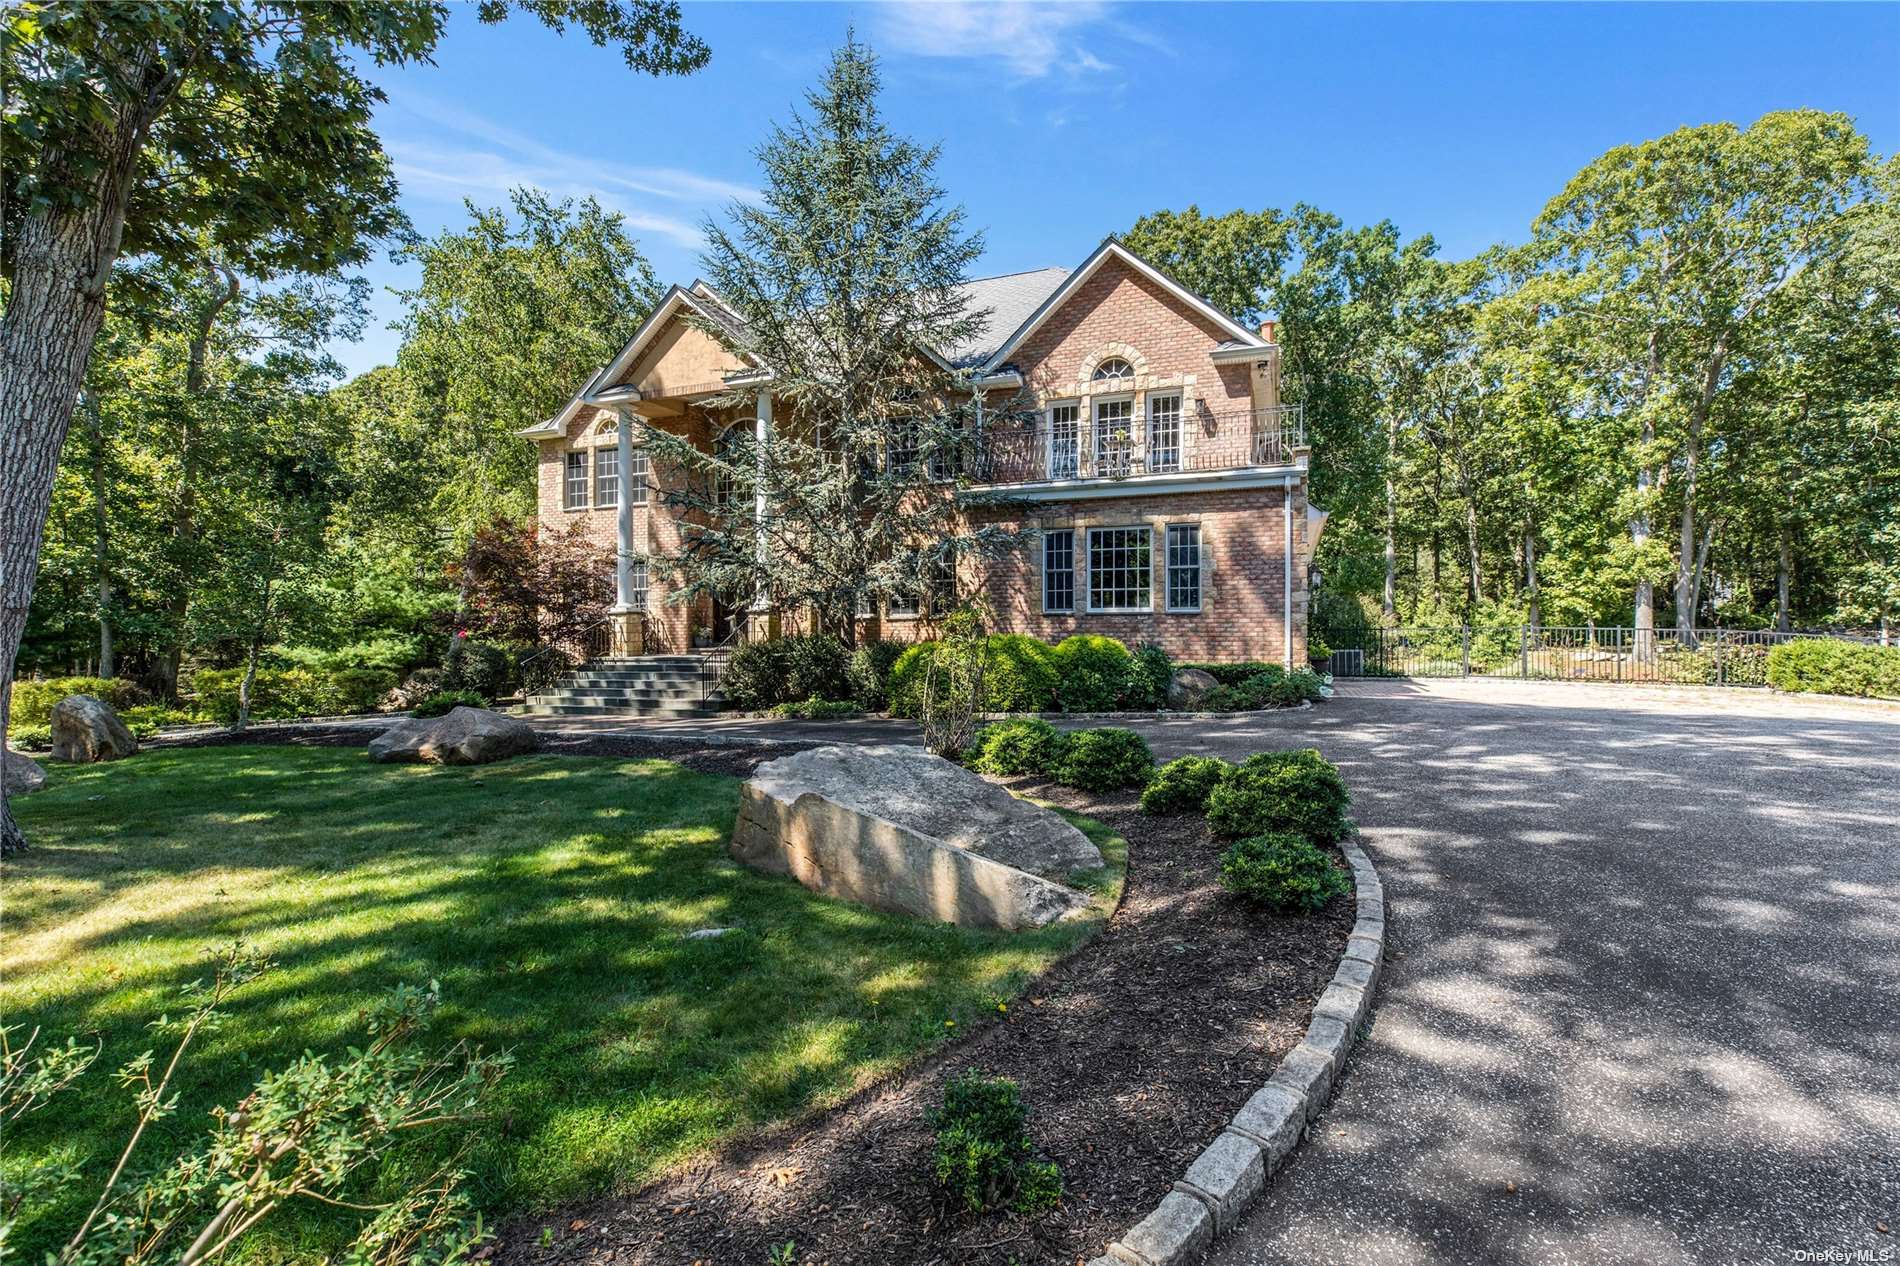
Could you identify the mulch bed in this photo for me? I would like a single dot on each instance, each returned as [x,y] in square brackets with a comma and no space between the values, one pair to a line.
[733,760]
[1131,1055]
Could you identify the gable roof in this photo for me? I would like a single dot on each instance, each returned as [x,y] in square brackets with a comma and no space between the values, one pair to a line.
[1111,248]
[1015,305]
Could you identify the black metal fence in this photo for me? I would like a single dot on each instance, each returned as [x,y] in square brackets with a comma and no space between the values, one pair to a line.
[1542,652]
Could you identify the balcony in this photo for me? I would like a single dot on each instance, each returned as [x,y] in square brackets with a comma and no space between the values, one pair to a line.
[1198,441]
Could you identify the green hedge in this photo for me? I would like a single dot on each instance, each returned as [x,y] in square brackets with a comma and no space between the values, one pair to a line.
[1094,673]
[1105,759]
[787,670]
[288,692]
[1024,745]
[1182,786]
[1282,872]
[1825,666]
[1021,675]
[870,673]
[32,701]
[1298,791]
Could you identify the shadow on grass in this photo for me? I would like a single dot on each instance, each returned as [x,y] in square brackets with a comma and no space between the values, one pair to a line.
[548,895]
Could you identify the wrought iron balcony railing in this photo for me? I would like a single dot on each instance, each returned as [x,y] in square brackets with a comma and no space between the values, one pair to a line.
[1042,452]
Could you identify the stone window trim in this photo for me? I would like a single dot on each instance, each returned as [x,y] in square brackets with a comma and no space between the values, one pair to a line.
[1060,542]
[576,481]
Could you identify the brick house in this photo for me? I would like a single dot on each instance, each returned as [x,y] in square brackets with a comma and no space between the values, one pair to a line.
[1162,482]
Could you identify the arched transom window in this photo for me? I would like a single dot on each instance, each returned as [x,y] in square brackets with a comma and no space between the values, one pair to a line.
[1114,370]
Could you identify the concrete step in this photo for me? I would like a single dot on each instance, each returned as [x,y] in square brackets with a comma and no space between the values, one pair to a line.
[573,694]
[637,679]
[619,710]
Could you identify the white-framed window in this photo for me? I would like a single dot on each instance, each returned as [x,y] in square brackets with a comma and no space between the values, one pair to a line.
[903,605]
[1058,571]
[940,584]
[637,478]
[906,442]
[866,605]
[606,478]
[1114,436]
[1164,432]
[1184,567]
[1065,441]
[1120,569]
[1115,370]
[574,482]
[639,594]
[729,448]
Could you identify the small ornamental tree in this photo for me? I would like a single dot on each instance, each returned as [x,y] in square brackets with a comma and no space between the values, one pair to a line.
[533,585]
[845,282]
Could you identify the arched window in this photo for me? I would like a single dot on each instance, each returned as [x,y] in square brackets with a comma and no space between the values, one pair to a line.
[1114,370]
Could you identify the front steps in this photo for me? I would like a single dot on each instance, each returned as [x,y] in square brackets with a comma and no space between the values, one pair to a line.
[644,686]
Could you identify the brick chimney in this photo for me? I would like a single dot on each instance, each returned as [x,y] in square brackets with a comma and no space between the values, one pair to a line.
[1266,330]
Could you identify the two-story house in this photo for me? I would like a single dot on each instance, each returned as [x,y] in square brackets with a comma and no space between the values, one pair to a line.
[1161,483]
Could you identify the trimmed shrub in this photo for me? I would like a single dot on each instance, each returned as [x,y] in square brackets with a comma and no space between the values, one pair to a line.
[1298,791]
[779,670]
[445,701]
[1148,677]
[816,709]
[1093,672]
[486,668]
[1282,872]
[32,701]
[755,674]
[30,738]
[1270,686]
[360,689]
[869,673]
[276,693]
[1021,675]
[1183,785]
[1317,651]
[1105,759]
[908,670]
[145,719]
[984,1156]
[1027,745]
[1824,666]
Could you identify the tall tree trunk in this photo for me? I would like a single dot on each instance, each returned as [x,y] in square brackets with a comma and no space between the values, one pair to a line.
[1389,601]
[1686,566]
[63,258]
[1687,624]
[1536,616]
[185,512]
[1474,549]
[101,539]
[1784,572]
[1644,618]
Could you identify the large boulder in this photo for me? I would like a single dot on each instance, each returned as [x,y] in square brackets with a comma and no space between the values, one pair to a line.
[464,736]
[898,829]
[22,775]
[86,729]
[1188,687]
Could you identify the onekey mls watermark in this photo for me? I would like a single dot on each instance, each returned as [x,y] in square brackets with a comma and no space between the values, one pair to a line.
[1845,1256]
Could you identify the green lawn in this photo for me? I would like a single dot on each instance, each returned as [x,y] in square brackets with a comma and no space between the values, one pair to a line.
[548,895]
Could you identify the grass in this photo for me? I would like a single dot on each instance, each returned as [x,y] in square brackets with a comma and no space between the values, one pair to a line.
[548,895]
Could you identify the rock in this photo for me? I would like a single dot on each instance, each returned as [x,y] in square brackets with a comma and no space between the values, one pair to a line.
[465,736]
[708,934]
[1188,687]
[898,829]
[23,775]
[86,729]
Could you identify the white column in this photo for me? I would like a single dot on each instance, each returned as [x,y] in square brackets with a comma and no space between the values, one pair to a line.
[761,435]
[623,515]
[1286,582]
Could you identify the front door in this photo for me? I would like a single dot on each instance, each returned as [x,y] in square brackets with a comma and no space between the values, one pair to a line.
[721,622]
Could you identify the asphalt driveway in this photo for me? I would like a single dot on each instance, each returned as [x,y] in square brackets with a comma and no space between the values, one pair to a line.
[1643,1003]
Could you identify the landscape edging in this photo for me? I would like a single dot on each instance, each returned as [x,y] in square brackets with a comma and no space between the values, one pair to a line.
[1237,1166]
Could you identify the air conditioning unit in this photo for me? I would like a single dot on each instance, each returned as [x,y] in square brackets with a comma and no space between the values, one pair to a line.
[1347,663]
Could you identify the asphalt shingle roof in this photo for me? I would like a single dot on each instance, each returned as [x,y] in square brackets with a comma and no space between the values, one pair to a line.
[1009,300]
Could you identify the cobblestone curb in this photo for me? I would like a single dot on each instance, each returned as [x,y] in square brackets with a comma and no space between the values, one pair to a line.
[1237,1165]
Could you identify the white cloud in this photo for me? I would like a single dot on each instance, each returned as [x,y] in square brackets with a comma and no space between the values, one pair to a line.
[463,155]
[1032,39]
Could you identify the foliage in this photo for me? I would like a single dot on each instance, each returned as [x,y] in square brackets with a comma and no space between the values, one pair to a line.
[1095,673]
[1835,668]
[30,738]
[1105,759]
[527,584]
[1183,784]
[1298,791]
[443,702]
[772,671]
[1318,651]
[33,698]
[816,709]
[851,497]
[1022,674]
[481,668]
[1282,871]
[307,1132]
[870,672]
[954,684]
[399,874]
[1148,677]
[1022,745]
[287,692]
[907,678]
[984,1156]
[1263,686]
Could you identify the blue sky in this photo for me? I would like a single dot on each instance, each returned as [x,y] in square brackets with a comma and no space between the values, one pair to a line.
[1063,122]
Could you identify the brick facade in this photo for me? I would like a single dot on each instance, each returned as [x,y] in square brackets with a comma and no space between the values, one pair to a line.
[1118,312]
